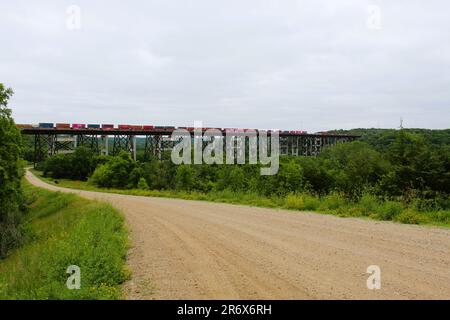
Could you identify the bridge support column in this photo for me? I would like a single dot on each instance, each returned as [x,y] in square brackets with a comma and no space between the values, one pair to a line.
[105,145]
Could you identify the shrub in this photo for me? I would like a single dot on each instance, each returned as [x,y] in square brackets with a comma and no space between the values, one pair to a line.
[389,209]
[410,217]
[311,202]
[293,201]
[142,184]
[353,166]
[333,201]
[368,204]
[184,179]
[76,166]
[442,216]
[116,173]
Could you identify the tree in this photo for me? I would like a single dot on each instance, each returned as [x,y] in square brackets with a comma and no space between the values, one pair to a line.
[116,172]
[353,166]
[184,179]
[418,169]
[10,176]
[76,166]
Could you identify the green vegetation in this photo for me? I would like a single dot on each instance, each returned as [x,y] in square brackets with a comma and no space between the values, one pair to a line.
[409,182]
[76,166]
[333,203]
[381,139]
[11,200]
[63,230]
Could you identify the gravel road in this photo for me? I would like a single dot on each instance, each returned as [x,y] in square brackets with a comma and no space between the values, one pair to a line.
[201,250]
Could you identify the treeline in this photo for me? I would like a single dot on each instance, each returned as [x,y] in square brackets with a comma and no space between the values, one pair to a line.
[410,170]
[381,139]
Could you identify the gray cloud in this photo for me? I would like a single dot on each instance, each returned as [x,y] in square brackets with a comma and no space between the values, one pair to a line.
[290,64]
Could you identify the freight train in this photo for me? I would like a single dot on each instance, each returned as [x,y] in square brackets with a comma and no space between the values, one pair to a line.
[91,126]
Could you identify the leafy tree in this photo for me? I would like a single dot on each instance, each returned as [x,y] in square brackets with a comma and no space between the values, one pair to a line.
[353,166]
[317,179]
[417,167]
[116,172]
[185,176]
[10,175]
[290,177]
[78,165]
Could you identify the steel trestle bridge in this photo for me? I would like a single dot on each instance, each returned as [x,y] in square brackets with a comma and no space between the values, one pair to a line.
[107,139]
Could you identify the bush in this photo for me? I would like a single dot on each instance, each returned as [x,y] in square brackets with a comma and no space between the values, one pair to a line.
[78,165]
[368,204]
[142,184]
[311,202]
[293,201]
[184,179]
[353,166]
[333,201]
[410,217]
[115,173]
[389,210]
[442,216]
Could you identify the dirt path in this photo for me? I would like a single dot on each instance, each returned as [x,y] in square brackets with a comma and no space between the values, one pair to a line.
[201,250]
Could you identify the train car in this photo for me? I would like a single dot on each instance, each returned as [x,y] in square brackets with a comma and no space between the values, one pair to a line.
[107,126]
[124,127]
[24,126]
[46,125]
[63,126]
[93,126]
[136,128]
[165,128]
[78,126]
[148,127]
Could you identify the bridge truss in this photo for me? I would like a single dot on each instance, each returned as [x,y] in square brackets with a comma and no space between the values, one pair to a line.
[157,144]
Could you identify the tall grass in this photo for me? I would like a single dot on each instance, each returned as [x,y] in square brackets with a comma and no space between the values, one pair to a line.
[64,230]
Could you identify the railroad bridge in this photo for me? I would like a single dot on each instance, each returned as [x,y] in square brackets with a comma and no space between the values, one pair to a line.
[52,139]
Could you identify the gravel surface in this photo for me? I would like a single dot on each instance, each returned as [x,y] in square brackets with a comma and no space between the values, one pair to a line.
[201,250]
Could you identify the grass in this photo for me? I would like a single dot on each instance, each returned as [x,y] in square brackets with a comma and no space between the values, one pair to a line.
[368,206]
[63,230]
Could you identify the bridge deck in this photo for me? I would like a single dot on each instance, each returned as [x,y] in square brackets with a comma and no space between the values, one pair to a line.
[156,132]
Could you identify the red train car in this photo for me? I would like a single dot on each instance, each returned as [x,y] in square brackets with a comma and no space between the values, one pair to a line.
[148,127]
[136,128]
[124,127]
[78,126]
[63,126]
[107,126]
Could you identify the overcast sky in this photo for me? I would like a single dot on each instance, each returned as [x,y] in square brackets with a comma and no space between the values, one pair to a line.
[288,64]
